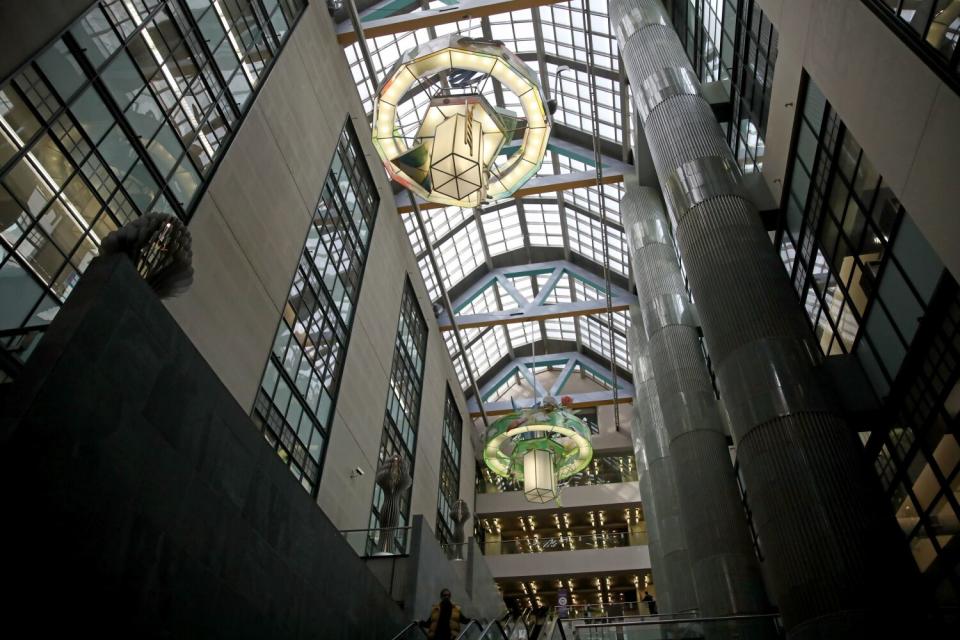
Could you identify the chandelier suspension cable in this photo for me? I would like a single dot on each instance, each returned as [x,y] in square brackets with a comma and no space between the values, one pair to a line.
[422,227]
[606,245]
[533,346]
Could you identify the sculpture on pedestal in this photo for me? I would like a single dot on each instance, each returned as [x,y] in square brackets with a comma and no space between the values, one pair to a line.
[393,478]
[460,512]
[158,244]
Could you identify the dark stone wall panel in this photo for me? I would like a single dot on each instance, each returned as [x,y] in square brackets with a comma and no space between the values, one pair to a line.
[140,500]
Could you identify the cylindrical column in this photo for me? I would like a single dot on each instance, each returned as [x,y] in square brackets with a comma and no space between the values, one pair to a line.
[668,549]
[725,571]
[830,544]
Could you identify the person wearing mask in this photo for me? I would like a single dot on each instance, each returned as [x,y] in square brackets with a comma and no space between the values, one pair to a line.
[445,619]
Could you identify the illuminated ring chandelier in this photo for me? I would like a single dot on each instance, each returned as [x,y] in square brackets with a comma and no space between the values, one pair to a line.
[538,446]
[455,157]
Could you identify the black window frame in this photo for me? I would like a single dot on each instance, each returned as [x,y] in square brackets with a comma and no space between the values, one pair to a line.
[310,295]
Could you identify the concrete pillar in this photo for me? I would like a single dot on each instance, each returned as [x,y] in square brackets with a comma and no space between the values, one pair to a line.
[829,542]
[725,570]
[668,549]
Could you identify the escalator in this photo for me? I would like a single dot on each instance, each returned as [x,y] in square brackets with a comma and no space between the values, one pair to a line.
[502,628]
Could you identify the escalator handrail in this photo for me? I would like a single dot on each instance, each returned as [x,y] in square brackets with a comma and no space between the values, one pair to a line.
[483,630]
[407,628]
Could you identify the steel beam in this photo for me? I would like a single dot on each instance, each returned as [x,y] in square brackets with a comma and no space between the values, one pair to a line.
[569,362]
[422,19]
[580,401]
[537,185]
[534,310]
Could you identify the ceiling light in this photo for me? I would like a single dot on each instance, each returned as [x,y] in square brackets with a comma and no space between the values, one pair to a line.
[455,157]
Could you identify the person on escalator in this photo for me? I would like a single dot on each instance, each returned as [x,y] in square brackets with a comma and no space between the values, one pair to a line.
[540,620]
[445,619]
[651,603]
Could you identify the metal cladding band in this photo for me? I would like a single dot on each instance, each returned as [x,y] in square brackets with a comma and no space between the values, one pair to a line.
[699,180]
[668,309]
[662,85]
[812,498]
[649,506]
[781,366]
[725,572]
[653,456]
[636,18]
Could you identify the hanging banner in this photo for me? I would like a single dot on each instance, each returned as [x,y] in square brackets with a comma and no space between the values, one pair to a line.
[563,599]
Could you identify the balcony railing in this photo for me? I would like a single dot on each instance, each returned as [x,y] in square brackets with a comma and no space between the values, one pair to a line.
[534,544]
[371,543]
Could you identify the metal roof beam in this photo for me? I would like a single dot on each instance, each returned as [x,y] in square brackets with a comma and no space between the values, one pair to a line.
[422,19]
[537,185]
[534,310]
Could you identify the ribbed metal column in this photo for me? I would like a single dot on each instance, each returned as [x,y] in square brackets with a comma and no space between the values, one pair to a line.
[668,550]
[725,570]
[830,544]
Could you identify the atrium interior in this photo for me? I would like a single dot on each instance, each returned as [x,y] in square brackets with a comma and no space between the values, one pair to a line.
[614,318]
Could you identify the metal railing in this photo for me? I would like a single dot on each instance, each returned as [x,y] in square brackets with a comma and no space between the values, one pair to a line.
[603,470]
[602,540]
[372,543]
[475,630]
[412,631]
[455,550]
[620,610]
[756,627]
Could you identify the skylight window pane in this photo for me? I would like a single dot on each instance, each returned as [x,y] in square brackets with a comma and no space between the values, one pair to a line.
[561,329]
[507,301]
[502,230]
[586,291]
[587,235]
[413,232]
[523,284]
[488,350]
[484,302]
[460,254]
[523,333]
[429,278]
[560,294]
[440,222]
[543,223]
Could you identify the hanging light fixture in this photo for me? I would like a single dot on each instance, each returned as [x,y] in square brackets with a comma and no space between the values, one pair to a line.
[538,446]
[456,157]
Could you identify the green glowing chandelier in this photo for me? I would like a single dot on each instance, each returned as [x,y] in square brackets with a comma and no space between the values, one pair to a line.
[538,446]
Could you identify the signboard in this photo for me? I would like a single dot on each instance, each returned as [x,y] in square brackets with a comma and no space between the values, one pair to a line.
[563,599]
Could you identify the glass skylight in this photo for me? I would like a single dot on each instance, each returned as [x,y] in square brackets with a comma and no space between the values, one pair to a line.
[569,225]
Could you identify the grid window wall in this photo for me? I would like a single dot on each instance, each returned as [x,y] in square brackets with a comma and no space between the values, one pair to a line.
[125,113]
[515,29]
[572,92]
[751,80]
[918,456]
[449,469]
[858,263]
[932,26]
[543,223]
[564,32]
[706,35]
[295,404]
[401,419]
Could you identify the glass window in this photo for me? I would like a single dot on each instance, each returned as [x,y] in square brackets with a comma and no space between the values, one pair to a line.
[845,219]
[449,491]
[306,363]
[154,84]
[402,415]
[931,24]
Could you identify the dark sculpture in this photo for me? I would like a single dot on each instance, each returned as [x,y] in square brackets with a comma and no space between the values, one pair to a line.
[459,513]
[158,244]
[393,478]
